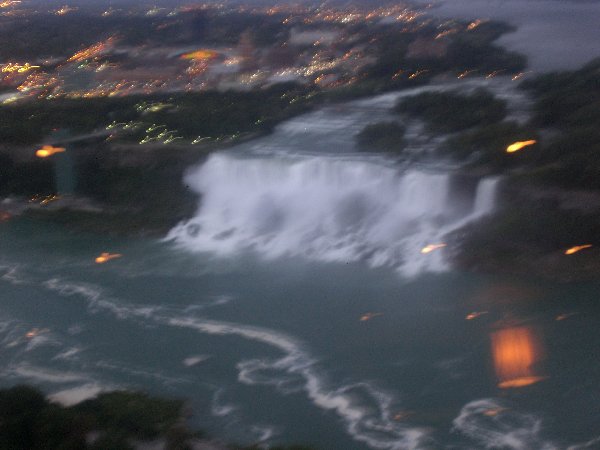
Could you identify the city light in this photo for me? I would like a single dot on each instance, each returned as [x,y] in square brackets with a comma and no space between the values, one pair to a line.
[577,248]
[49,150]
[431,247]
[519,145]
[105,257]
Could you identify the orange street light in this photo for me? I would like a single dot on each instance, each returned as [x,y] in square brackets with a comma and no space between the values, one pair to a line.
[431,247]
[519,145]
[577,248]
[49,150]
[104,257]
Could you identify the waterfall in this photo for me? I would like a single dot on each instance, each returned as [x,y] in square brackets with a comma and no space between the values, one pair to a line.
[322,208]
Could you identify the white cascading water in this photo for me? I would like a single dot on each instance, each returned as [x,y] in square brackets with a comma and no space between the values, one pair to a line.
[485,196]
[325,209]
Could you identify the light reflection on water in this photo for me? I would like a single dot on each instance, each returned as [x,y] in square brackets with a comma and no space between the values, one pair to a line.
[516,352]
[282,346]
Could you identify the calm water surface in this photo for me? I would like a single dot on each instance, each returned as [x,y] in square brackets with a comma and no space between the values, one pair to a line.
[278,351]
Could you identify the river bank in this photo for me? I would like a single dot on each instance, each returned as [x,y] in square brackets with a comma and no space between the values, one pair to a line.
[118,419]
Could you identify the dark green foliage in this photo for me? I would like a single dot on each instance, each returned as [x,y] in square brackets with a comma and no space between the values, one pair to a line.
[292,447]
[29,422]
[25,178]
[472,50]
[382,136]
[572,160]
[60,428]
[567,99]
[475,50]
[570,103]
[485,58]
[487,146]
[542,227]
[531,238]
[391,45]
[111,441]
[20,410]
[446,112]
[132,413]
[113,421]
[199,114]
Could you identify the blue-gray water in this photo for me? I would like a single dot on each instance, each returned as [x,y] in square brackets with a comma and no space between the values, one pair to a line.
[279,350]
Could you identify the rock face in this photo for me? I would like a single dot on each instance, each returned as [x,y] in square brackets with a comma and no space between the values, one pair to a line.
[530,234]
[586,201]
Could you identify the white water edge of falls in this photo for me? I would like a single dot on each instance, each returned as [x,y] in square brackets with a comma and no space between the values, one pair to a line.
[327,209]
[306,191]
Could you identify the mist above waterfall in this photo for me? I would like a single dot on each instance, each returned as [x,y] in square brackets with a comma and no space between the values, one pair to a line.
[325,208]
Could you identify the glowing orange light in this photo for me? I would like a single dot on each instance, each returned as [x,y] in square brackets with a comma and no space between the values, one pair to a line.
[474,24]
[493,412]
[369,316]
[519,76]
[65,10]
[33,333]
[515,352]
[464,74]
[402,415]
[475,315]
[104,257]
[48,199]
[519,145]
[565,316]
[48,150]
[92,51]
[200,54]
[414,75]
[577,248]
[8,3]
[431,247]
[20,68]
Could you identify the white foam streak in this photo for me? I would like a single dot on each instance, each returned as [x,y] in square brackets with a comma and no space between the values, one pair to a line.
[485,196]
[264,433]
[94,296]
[492,425]
[191,361]
[44,375]
[40,341]
[367,424]
[589,445]
[72,396]
[68,354]
[364,409]
[12,274]
[219,408]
